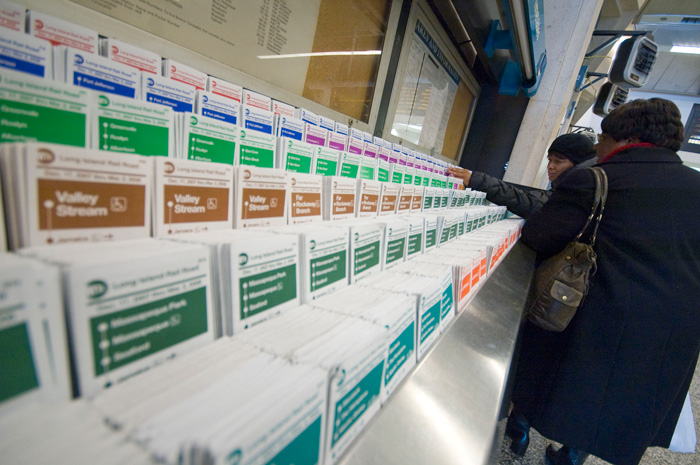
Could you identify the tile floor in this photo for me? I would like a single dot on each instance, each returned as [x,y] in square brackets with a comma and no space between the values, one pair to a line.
[653,455]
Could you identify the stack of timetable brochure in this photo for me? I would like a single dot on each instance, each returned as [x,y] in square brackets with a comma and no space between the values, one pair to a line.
[36,109]
[130,305]
[33,349]
[351,351]
[202,138]
[323,254]
[191,196]
[395,311]
[58,194]
[427,292]
[255,275]
[224,403]
[71,433]
[125,125]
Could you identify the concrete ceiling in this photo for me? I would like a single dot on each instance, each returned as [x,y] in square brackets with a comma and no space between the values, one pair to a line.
[672,22]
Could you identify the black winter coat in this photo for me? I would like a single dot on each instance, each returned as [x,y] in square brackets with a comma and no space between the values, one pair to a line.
[521,200]
[614,381]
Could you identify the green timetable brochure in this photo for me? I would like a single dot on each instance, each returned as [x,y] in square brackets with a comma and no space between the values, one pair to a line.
[36,109]
[206,139]
[255,148]
[33,350]
[121,124]
[132,305]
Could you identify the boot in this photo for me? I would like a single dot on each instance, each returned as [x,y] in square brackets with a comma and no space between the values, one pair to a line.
[518,430]
[564,456]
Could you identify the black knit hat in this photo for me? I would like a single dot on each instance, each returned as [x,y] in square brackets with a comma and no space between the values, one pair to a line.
[576,147]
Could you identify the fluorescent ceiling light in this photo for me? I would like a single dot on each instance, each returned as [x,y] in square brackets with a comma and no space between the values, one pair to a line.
[685,49]
[321,54]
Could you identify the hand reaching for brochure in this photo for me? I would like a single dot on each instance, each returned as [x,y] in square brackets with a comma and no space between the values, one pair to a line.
[462,173]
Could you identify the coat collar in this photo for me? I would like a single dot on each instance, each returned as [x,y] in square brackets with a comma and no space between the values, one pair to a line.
[644,155]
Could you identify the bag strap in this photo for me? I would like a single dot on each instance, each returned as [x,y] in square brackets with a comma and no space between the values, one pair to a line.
[599,199]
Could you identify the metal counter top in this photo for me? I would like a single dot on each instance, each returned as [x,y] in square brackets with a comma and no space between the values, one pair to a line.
[447,410]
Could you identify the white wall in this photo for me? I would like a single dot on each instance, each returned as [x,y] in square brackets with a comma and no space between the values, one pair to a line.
[685,105]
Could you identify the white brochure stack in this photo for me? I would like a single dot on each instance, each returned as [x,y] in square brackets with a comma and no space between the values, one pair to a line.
[304,198]
[445,275]
[395,241]
[24,53]
[339,195]
[225,403]
[256,275]
[32,334]
[366,247]
[70,433]
[416,236]
[58,194]
[428,294]
[323,253]
[350,350]
[260,197]
[396,311]
[131,305]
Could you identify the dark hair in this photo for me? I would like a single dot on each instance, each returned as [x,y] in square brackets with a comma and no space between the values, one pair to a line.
[656,121]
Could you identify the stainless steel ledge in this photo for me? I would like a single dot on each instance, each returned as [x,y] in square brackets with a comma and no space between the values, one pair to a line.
[447,410]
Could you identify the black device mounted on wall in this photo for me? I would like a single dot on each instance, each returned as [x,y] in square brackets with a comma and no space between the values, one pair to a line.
[633,62]
[609,97]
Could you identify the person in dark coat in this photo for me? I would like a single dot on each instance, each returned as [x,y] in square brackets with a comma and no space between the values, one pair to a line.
[614,381]
[567,153]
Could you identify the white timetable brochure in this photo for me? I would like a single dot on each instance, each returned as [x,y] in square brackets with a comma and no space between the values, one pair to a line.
[264,277]
[60,32]
[389,199]
[95,72]
[295,155]
[307,116]
[305,195]
[130,55]
[163,91]
[37,109]
[444,273]
[217,107]
[416,235]
[284,109]
[367,242]
[255,148]
[24,53]
[324,259]
[260,197]
[326,123]
[339,198]
[120,124]
[395,241]
[368,193]
[337,141]
[32,333]
[396,311]
[207,139]
[132,305]
[184,74]
[12,16]
[315,135]
[60,194]
[289,127]
[326,161]
[405,199]
[224,88]
[191,196]
[428,294]
[257,119]
[341,128]
[256,100]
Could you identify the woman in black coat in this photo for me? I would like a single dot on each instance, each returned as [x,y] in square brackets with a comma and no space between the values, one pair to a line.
[567,153]
[614,381]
